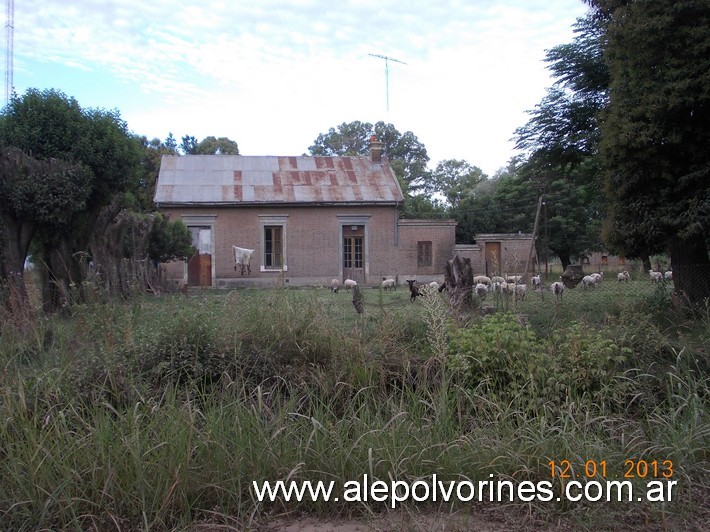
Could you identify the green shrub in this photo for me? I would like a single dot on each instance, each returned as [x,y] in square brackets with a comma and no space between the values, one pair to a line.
[513,363]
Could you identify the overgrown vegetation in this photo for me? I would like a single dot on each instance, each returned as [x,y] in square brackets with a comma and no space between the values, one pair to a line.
[157,414]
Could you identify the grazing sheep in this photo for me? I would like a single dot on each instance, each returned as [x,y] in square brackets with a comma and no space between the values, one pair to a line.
[623,276]
[656,277]
[242,258]
[334,285]
[500,287]
[668,276]
[388,284]
[536,281]
[349,283]
[598,276]
[434,285]
[557,288]
[413,290]
[482,279]
[481,290]
[589,281]
[518,290]
[514,278]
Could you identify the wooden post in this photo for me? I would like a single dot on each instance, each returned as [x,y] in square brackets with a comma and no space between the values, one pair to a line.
[532,244]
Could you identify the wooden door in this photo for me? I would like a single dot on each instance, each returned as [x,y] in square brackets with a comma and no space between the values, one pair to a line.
[199,267]
[493,258]
[354,252]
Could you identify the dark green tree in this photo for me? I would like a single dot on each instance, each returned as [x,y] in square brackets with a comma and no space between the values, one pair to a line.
[34,194]
[561,142]
[51,126]
[456,180]
[656,133]
[406,154]
[209,146]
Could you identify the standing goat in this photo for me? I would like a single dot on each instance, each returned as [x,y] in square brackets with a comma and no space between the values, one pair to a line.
[242,258]
[413,290]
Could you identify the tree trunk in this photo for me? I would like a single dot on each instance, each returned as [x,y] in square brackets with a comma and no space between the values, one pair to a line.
[646,261]
[691,269]
[458,279]
[565,260]
[16,244]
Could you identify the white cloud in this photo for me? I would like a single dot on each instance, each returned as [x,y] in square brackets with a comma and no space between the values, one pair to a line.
[274,74]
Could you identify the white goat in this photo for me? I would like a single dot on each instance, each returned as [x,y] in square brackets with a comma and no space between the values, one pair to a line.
[334,285]
[536,281]
[623,276]
[388,284]
[482,279]
[242,258]
[598,276]
[656,277]
[557,288]
[349,283]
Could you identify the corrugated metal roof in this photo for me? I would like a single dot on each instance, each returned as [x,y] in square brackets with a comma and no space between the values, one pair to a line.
[246,179]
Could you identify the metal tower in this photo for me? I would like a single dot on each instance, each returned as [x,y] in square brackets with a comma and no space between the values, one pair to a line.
[387,75]
[9,48]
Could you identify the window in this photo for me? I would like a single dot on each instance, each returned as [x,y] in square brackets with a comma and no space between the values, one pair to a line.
[273,246]
[274,242]
[424,253]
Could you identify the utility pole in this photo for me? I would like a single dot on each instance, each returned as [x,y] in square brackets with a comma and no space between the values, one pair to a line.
[534,235]
[9,48]
[387,75]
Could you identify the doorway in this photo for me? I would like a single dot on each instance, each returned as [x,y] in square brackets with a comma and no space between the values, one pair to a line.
[354,252]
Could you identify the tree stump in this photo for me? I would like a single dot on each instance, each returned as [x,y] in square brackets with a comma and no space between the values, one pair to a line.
[458,279]
[572,275]
[358,300]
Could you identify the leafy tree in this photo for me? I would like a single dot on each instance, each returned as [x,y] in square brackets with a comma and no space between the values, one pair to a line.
[169,240]
[455,180]
[561,141]
[34,194]
[656,133]
[209,146]
[406,154]
[141,195]
[188,146]
[52,126]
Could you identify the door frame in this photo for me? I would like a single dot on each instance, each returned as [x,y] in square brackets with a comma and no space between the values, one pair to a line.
[204,220]
[345,220]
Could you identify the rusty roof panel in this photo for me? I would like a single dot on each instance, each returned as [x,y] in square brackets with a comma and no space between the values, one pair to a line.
[238,179]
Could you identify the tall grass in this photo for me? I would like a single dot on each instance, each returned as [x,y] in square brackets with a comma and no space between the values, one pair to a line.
[158,414]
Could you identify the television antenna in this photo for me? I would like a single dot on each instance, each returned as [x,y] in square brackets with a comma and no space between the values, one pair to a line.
[387,75]
[9,45]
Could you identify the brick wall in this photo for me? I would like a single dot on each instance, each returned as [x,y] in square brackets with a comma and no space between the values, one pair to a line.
[441,234]
[312,240]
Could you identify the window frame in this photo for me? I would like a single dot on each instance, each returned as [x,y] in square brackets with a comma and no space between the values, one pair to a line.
[268,223]
[425,253]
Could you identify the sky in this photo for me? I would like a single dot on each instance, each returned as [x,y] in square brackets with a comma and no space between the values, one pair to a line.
[274,74]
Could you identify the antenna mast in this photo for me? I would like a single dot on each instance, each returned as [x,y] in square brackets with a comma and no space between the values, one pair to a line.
[9,47]
[387,75]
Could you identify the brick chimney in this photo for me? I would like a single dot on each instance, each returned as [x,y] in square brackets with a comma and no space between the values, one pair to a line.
[375,150]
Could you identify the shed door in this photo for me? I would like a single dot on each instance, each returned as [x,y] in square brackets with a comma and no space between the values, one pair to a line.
[354,252]
[492,258]
[199,267]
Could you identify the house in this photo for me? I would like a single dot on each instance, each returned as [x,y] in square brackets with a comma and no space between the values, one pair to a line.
[308,220]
